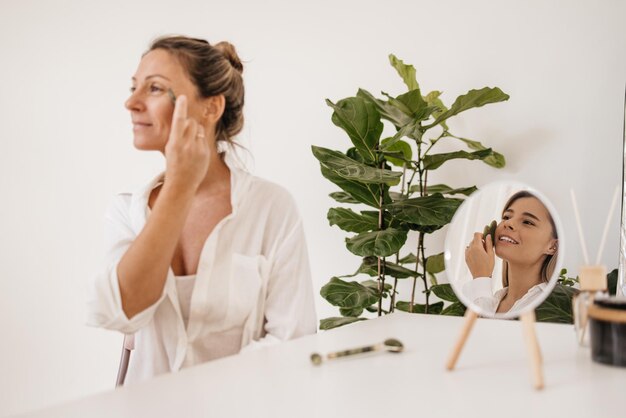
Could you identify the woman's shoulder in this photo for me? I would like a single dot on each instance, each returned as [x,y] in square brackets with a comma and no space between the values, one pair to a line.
[268,189]
[272,199]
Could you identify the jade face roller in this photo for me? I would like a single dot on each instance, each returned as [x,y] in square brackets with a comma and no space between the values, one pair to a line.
[172,96]
[391,345]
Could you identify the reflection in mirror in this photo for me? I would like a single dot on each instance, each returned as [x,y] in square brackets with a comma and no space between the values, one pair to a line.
[504,250]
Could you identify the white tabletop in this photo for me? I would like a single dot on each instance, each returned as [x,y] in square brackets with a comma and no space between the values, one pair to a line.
[492,378]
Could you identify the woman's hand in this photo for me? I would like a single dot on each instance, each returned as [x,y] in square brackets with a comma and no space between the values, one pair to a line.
[187,151]
[480,258]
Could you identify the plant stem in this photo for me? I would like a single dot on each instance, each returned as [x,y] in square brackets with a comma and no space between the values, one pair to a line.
[381,260]
[415,278]
[426,291]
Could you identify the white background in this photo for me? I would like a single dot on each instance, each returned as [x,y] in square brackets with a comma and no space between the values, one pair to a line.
[67,145]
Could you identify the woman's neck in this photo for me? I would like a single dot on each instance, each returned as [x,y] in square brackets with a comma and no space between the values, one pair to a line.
[217,179]
[522,278]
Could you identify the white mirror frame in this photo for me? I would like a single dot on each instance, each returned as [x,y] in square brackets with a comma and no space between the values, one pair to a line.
[453,249]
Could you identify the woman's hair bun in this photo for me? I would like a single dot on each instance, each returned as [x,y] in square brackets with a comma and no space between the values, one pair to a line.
[228,50]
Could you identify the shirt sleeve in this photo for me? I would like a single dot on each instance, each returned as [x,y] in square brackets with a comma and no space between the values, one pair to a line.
[104,302]
[289,306]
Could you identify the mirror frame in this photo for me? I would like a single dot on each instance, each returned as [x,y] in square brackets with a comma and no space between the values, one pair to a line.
[517,186]
[621,280]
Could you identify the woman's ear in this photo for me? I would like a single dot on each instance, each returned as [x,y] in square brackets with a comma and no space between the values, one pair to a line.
[553,247]
[214,108]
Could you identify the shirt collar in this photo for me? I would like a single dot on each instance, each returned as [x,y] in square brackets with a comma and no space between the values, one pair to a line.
[240,181]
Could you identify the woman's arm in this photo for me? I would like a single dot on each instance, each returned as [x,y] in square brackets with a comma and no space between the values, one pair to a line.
[142,270]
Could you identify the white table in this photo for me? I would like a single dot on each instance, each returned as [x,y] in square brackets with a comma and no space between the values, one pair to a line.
[492,378]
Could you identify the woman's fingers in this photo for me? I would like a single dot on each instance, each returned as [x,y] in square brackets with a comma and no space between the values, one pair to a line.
[192,130]
[179,118]
[489,245]
[200,133]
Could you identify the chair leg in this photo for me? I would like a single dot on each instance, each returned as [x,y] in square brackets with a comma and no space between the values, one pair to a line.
[127,346]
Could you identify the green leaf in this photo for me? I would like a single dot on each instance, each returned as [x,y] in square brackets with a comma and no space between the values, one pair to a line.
[353,312]
[433,210]
[397,196]
[433,100]
[408,259]
[354,154]
[558,306]
[351,221]
[433,279]
[496,160]
[361,121]
[350,169]
[386,110]
[334,322]
[379,243]
[399,146]
[348,294]
[434,308]
[611,280]
[435,264]
[444,189]
[370,267]
[407,72]
[343,197]
[432,162]
[456,309]
[364,193]
[444,292]
[373,284]
[412,104]
[470,100]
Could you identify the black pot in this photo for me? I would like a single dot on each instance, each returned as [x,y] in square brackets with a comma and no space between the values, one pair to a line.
[607,326]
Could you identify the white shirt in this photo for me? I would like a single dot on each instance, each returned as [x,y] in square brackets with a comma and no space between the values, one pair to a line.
[479,291]
[253,285]
[184,289]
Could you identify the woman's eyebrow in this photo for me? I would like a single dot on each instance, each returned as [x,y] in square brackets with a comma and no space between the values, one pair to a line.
[152,76]
[530,215]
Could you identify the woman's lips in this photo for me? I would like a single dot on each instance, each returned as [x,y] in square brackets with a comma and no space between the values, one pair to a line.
[141,126]
[505,239]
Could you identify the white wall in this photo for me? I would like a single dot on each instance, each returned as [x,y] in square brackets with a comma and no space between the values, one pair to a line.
[66,139]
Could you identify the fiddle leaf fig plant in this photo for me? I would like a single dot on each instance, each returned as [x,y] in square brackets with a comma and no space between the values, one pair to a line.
[385,178]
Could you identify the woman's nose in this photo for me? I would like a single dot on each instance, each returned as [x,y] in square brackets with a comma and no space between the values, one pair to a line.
[508,224]
[134,102]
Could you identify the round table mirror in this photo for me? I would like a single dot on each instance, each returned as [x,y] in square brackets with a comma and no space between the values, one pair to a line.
[504,250]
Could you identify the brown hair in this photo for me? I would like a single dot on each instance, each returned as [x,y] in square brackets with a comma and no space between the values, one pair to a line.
[549,264]
[214,70]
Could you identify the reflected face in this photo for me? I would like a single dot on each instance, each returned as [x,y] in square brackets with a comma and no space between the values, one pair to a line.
[525,234]
[150,105]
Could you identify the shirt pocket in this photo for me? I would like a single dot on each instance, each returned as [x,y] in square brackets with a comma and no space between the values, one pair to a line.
[244,289]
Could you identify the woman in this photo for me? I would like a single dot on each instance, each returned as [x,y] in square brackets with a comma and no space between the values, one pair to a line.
[206,259]
[527,242]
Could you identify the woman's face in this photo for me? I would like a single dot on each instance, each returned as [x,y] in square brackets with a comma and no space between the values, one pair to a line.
[150,105]
[524,236]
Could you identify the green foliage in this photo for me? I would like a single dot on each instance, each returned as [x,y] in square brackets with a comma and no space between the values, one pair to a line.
[334,322]
[381,243]
[348,295]
[402,199]
[558,305]
[611,280]
[433,308]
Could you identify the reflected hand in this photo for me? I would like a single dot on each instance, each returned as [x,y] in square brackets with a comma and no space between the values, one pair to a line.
[187,151]
[479,256]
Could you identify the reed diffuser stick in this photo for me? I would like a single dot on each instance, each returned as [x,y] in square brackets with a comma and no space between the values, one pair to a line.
[606,226]
[580,227]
